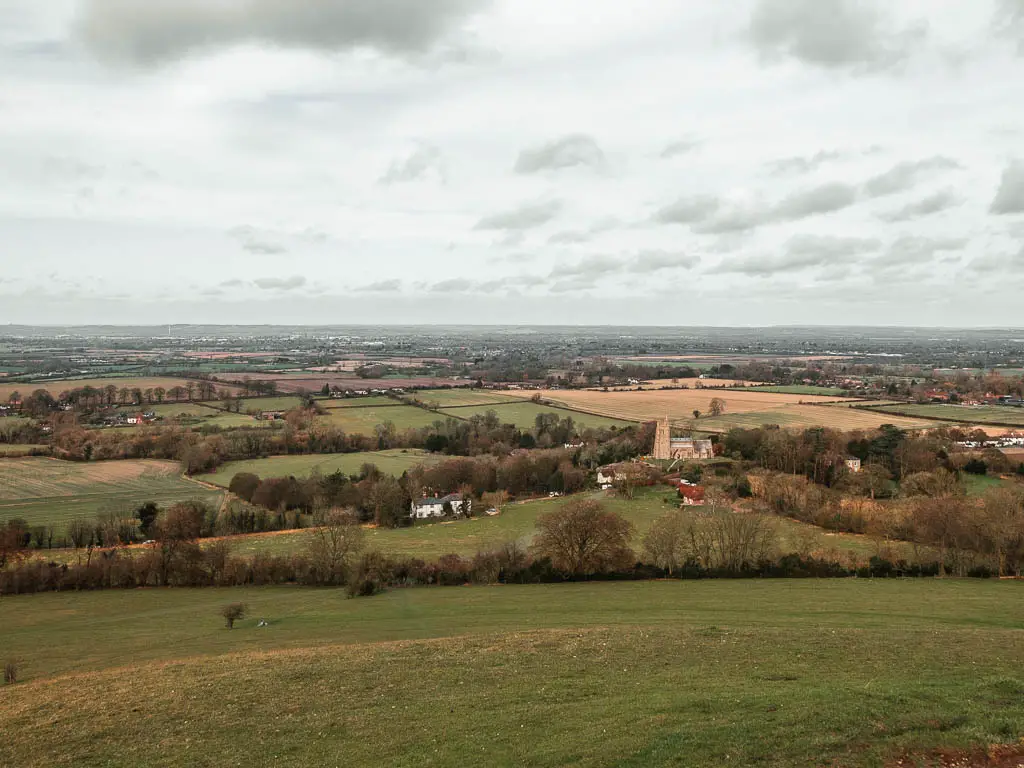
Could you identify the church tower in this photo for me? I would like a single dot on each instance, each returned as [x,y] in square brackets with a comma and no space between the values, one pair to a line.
[663,440]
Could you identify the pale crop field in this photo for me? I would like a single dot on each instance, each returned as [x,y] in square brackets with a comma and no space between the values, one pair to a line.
[47,491]
[677,404]
[364,420]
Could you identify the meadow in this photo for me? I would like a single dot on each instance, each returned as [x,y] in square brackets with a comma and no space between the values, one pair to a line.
[46,491]
[393,462]
[449,398]
[804,416]
[357,402]
[969,414]
[524,415]
[518,522]
[801,389]
[281,403]
[364,420]
[852,672]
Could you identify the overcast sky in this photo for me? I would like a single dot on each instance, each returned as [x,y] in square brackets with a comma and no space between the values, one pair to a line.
[750,162]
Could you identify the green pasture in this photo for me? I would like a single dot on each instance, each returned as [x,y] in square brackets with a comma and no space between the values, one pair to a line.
[968,414]
[524,414]
[364,420]
[796,389]
[449,398]
[777,673]
[393,462]
[369,401]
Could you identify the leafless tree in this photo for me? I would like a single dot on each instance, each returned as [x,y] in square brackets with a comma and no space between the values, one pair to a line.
[583,538]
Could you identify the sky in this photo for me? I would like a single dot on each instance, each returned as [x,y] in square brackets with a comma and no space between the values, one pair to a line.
[751,162]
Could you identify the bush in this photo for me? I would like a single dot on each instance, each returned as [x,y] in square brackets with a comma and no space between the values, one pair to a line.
[233,612]
[10,673]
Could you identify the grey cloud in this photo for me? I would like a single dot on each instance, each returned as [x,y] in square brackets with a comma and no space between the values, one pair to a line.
[591,267]
[280,283]
[1010,195]
[253,241]
[655,261]
[935,203]
[163,30]
[803,164]
[382,286]
[569,237]
[764,266]
[830,247]
[566,152]
[687,210]
[709,215]
[681,147]
[834,34]
[801,252]
[522,218]
[911,250]
[824,198]
[455,285]
[514,281]
[1009,21]
[905,175]
[416,166]
[236,283]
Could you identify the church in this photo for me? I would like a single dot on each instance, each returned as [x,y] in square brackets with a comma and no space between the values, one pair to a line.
[668,447]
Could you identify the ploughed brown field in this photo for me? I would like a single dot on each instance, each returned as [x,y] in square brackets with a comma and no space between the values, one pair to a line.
[314,382]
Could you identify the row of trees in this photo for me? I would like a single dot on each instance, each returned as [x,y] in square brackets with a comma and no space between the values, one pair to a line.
[581,540]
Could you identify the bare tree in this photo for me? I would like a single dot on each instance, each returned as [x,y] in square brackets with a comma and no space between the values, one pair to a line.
[337,540]
[583,538]
[495,499]
[717,406]
[666,543]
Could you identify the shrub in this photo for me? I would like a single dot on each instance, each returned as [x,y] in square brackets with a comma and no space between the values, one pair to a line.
[233,612]
[10,673]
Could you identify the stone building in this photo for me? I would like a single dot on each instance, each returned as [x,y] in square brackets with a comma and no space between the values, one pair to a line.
[668,447]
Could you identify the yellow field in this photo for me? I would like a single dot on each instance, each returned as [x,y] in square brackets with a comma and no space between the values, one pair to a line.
[56,386]
[742,409]
[677,404]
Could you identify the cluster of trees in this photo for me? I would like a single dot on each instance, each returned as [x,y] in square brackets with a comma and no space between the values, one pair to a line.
[88,398]
[581,540]
[932,510]
[300,433]
[386,500]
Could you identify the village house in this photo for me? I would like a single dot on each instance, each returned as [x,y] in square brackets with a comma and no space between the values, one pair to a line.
[431,506]
[853,465]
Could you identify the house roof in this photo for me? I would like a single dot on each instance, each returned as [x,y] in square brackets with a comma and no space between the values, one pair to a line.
[429,501]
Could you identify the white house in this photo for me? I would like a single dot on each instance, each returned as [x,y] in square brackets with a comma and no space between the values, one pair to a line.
[434,507]
[853,464]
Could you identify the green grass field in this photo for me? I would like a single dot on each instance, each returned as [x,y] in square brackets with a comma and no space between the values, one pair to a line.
[517,522]
[448,398]
[393,462]
[524,414]
[357,402]
[283,403]
[363,420]
[798,389]
[967,414]
[718,673]
[47,491]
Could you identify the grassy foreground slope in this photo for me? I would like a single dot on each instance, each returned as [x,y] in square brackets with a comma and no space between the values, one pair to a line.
[774,673]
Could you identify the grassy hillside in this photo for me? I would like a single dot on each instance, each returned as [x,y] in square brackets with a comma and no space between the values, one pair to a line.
[394,462]
[47,491]
[724,673]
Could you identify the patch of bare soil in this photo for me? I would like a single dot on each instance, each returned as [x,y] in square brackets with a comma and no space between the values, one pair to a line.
[995,756]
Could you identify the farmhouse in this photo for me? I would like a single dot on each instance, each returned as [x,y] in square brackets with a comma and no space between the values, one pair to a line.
[668,447]
[431,506]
